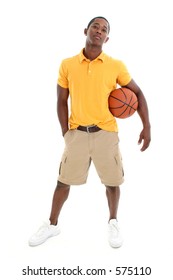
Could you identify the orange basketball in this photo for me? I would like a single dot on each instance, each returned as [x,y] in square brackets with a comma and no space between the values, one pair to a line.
[122,102]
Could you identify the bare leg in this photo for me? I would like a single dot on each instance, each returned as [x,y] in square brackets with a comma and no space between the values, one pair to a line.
[113,195]
[60,196]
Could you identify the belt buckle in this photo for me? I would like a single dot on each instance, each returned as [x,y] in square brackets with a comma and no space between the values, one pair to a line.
[88,127]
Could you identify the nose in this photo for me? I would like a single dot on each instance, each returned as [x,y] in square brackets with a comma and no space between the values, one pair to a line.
[99,30]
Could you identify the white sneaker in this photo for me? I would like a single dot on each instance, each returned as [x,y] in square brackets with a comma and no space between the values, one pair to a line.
[114,236]
[43,233]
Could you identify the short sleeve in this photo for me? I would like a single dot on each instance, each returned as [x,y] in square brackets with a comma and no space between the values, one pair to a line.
[62,76]
[124,76]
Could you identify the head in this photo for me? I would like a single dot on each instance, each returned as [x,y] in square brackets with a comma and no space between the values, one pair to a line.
[97,30]
[92,20]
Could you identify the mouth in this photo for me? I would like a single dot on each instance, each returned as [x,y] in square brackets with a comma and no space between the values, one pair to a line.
[97,37]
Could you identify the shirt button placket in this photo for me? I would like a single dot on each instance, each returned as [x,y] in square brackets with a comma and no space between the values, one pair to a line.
[89,68]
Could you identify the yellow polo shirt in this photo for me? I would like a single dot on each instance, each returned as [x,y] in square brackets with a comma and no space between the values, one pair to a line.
[90,83]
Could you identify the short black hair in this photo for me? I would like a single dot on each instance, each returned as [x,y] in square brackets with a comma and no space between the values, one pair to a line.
[93,19]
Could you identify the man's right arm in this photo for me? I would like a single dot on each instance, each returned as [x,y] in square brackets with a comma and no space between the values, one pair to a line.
[62,107]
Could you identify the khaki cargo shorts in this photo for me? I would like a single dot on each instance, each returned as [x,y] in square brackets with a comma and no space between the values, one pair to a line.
[99,147]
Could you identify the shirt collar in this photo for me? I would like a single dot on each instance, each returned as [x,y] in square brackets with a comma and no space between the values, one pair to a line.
[82,57]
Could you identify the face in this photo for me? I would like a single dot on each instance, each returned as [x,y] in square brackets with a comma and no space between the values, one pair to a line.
[97,33]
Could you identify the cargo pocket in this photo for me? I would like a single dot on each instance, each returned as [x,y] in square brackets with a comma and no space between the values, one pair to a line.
[119,164]
[62,163]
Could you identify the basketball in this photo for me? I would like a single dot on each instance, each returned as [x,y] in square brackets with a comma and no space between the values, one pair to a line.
[122,103]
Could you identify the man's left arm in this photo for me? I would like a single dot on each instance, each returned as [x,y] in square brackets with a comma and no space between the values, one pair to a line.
[145,135]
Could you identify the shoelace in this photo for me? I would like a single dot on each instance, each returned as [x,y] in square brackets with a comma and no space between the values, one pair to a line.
[114,227]
[42,229]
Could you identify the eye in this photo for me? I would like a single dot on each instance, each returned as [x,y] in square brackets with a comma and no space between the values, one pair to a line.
[95,26]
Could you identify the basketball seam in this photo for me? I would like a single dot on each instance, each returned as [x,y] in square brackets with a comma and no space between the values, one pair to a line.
[129,106]
[124,103]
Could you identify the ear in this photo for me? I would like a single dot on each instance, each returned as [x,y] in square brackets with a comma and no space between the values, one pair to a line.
[106,39]
[85,31]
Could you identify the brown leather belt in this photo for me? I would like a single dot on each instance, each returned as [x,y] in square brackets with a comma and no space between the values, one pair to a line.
[89,128]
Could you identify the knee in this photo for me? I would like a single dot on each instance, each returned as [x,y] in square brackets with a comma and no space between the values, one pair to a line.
[112,189]
[62,185]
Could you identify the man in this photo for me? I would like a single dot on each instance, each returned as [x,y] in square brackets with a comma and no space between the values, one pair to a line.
[91,132]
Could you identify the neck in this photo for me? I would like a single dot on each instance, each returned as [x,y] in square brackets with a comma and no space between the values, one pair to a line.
[91,52]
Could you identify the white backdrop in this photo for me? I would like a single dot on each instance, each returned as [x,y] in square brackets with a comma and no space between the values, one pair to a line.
[35,36]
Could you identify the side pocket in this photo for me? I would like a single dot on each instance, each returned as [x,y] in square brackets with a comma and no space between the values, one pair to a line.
[60,167]
[63,161]
[68,136]
[119,163]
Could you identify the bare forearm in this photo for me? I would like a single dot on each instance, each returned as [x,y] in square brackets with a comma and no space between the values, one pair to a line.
[62,107]
[145,134]
[142,107]
[143,110]
[62,111]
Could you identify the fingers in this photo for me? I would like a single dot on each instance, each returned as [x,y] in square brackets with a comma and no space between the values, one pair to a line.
[140,139]
[145,145]
[145,138]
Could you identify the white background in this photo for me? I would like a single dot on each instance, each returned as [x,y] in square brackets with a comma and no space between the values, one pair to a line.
[35,36]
